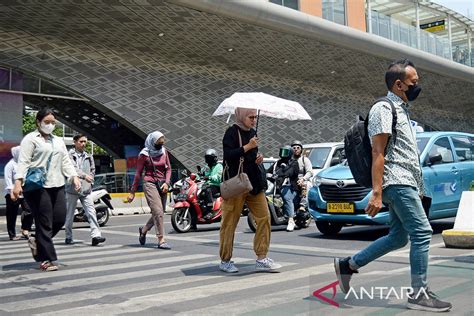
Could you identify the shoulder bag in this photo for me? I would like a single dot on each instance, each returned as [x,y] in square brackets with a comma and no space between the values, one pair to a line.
[238,185]
[36,177]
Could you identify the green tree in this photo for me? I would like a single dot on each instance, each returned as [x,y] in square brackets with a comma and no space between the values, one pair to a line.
[29,125]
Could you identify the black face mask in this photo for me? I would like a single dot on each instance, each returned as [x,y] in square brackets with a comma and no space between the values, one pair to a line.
[412,92]
[158,146]
[210,161]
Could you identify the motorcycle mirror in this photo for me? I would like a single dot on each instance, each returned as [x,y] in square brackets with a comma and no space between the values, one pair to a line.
[198,168]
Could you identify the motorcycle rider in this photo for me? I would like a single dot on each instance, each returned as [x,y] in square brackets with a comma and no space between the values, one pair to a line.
[286,171]
[213,179]
[305,172]
[85,168]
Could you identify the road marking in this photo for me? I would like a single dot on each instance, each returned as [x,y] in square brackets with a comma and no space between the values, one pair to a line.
[132,286]
[229,285]
[109,267]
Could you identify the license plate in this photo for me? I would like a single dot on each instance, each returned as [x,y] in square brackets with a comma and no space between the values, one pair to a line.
[340,207]
[181,197]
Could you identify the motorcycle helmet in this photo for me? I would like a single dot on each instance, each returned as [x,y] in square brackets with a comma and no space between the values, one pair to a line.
[285,152]
[211,156]
[297,143]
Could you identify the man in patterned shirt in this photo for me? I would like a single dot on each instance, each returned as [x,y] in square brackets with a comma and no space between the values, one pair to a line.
[397,182]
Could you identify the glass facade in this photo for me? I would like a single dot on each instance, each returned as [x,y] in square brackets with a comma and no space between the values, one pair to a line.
[405,34]
[292,4]
[335,11]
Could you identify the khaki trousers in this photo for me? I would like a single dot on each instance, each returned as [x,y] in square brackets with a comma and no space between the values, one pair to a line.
[157,203]
[231,211]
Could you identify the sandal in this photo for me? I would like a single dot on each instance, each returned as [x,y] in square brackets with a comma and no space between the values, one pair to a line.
[25,235]
[48,266]
[33,247]
[164,245]
[141,236]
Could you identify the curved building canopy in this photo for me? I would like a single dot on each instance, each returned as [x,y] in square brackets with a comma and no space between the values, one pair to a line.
[166,65]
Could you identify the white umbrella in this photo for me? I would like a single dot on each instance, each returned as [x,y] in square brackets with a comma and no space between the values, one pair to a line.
[266,104]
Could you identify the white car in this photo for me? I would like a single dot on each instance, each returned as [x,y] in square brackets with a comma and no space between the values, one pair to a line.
[324,155]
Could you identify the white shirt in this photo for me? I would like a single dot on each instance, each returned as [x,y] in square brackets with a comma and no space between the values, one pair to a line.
[35,152]
[9,172]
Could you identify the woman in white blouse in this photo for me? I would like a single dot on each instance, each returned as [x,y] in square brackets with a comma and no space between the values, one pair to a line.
[48,204]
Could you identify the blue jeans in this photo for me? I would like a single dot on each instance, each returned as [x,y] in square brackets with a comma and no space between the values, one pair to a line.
[289,197]
[407,218]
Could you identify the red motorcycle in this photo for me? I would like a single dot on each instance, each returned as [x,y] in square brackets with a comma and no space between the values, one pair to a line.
[189,206]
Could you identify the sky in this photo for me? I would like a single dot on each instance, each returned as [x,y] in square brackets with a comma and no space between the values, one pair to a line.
[465,7]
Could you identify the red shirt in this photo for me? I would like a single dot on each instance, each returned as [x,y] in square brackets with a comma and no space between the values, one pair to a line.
[162,171]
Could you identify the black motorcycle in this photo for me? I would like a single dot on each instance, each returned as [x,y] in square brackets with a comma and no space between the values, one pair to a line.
[275,205]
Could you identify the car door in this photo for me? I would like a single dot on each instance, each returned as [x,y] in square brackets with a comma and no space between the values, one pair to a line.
[464,151]
[443,179]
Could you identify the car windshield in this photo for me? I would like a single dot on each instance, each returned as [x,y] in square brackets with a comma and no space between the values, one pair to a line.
[421,143]
[267,164]
[318,156]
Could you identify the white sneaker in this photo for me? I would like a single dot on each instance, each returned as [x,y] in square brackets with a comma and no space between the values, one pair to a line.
[291,225]
[228,266]
[266,264]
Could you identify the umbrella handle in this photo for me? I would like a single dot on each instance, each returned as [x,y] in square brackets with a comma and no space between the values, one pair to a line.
[256,126]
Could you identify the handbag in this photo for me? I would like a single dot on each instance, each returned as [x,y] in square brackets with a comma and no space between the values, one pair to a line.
[238,185]
[36,177]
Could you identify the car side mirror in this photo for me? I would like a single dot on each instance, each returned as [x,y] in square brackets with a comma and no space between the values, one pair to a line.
[335,161]
[433,159]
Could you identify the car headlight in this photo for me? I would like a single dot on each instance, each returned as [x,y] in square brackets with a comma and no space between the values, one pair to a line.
[316,181]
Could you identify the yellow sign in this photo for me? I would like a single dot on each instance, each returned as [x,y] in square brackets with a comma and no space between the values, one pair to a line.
[433,26]
[340,207]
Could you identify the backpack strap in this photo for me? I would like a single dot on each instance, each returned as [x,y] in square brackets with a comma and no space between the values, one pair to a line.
[394,116]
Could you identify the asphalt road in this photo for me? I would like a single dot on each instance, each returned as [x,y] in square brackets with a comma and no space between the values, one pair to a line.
[122,277]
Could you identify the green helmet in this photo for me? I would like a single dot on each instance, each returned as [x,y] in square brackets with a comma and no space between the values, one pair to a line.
[285,152]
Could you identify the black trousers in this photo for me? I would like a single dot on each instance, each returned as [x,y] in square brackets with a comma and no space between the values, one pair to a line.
[210,191]
[48,206]
[12,213]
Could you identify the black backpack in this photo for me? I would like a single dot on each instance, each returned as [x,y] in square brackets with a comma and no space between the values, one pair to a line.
[358,149]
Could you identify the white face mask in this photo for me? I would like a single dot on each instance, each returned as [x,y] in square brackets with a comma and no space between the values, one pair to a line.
[47,128]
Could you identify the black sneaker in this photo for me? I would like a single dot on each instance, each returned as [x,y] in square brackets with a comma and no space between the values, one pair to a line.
[344,273]
[69,241]
[97,240]
[427,301]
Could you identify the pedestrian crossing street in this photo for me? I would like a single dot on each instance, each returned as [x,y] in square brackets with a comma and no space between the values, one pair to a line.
[115,279]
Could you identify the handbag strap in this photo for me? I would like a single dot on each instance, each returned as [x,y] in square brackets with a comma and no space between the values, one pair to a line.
[241,167]
[48,164]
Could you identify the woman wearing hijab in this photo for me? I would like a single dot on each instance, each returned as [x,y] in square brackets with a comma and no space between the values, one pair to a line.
[245,120]
[12,205]
[156,182]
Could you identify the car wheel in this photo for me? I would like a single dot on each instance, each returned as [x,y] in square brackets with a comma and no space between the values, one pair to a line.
[328,228]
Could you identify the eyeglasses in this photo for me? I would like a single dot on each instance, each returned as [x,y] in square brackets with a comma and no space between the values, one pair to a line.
[252,117]
[296,147]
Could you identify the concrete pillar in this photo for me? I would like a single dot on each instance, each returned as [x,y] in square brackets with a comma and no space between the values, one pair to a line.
[418,30]
[450,38]
[369,17]
[312,7]
[469,47]
[355,14]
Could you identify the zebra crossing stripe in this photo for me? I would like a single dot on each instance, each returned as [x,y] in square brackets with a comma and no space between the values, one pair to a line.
[109,267]
[86,253]
[227,285]
[87,283]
